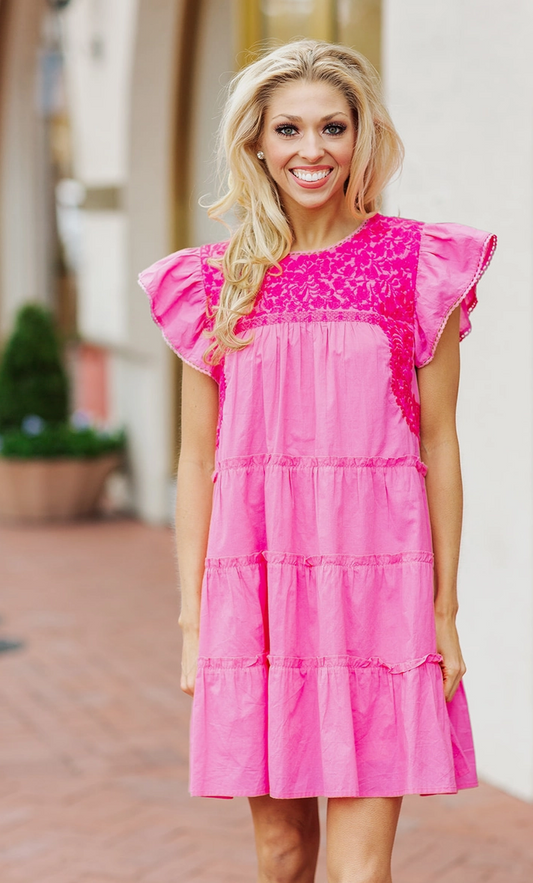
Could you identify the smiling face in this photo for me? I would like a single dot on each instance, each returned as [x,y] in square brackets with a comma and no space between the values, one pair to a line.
[308,141]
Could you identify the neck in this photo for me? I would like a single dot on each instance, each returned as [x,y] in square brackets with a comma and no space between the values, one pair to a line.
[319,228]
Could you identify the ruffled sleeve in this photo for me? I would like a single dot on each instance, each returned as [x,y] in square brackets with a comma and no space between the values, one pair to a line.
[452,260]
[178,302]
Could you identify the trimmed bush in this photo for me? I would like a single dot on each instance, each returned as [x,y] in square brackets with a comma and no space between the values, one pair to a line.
[49,442]
[32,377]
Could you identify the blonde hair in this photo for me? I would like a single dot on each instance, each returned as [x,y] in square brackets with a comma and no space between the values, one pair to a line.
[263,235]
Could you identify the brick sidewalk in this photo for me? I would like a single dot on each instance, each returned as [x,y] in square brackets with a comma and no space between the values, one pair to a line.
[93,750]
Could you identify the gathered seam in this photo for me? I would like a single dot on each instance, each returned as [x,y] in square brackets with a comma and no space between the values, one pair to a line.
[249,462]
[305,663]
[340,560]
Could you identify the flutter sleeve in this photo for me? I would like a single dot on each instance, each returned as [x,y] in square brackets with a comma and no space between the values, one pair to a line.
[452,260]
[178,303]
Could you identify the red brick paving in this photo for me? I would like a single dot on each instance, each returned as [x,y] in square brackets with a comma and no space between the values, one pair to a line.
[94,732]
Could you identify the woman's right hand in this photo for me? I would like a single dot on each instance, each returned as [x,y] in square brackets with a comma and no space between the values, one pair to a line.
[189,661]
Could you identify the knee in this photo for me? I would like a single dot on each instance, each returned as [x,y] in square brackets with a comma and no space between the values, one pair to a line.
[285,853]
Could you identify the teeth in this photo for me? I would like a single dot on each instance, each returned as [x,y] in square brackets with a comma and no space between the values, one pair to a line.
[310,176]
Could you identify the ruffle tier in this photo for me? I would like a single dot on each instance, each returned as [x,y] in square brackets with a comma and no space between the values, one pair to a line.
[328,605]
[318,505]
[318,676]
[356,728]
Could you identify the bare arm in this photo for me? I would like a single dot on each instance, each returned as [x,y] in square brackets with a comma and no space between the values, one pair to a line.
[438,384]
[199,415]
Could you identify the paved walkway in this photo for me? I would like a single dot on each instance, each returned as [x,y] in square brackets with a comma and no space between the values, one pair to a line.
[94,730]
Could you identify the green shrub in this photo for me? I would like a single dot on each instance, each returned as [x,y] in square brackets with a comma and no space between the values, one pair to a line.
[42,440]
[32,377]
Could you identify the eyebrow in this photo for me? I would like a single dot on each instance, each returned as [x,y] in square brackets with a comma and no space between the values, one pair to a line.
[296,119]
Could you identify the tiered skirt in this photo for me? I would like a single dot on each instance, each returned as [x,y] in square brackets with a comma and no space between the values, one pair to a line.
[318,672]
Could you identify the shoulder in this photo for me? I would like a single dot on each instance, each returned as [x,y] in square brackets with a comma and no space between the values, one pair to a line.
[447,241]
[395,238]
[396,226]
[428,231]
[395,223]
[453,239]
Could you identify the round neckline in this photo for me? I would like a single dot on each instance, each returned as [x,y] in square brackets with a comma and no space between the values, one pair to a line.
[336,245]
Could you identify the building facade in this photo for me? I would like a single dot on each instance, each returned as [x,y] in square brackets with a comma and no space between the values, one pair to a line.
[107,121]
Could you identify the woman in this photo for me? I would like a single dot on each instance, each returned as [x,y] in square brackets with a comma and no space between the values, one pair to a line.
[319,501]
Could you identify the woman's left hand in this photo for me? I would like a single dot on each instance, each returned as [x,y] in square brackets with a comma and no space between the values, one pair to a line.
[452,665]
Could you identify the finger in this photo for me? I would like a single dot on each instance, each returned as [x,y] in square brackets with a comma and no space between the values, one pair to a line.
[450,687]
[450,693]
[186,686]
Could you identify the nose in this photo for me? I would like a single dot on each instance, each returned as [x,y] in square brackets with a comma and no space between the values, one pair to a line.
[311,148]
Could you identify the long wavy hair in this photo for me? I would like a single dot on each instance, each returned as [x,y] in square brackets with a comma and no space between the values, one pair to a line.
[263,235]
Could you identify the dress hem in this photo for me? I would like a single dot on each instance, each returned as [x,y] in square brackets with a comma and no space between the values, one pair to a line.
[420,792]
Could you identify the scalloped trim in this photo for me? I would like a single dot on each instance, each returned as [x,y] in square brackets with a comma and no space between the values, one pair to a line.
[487,251]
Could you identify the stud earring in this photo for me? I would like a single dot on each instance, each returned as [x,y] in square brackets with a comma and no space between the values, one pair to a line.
[260,154]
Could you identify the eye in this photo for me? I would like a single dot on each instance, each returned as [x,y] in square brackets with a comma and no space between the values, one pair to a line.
[335,128]
[286,130]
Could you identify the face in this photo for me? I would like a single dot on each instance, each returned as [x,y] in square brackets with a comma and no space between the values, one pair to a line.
[308,141]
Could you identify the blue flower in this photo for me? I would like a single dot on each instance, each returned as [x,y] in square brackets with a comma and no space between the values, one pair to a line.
[33,425]
[80,420]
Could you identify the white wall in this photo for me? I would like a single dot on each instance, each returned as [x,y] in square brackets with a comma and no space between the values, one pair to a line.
[459,85]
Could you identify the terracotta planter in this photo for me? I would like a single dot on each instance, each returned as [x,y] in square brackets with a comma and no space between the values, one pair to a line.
[49,490]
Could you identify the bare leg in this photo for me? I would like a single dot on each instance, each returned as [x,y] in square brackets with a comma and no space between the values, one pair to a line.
[360,836]
[287,837]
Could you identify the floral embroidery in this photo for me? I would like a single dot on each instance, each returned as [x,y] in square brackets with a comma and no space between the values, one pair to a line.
[369,277]
[211,300]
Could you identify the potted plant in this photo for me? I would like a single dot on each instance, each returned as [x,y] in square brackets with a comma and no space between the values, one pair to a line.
[51,466]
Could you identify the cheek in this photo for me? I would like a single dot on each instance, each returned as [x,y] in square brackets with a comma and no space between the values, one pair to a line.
[278,156]
[344,155]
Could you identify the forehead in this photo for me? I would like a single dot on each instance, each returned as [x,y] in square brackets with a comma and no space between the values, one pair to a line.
[301,98]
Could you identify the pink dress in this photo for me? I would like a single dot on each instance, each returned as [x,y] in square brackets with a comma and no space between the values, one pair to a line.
[318,672]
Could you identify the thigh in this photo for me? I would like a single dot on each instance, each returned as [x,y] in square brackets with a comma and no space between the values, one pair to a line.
[360,836]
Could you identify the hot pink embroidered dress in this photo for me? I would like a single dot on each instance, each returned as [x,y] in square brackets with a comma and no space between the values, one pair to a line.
[318,672]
